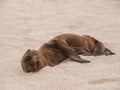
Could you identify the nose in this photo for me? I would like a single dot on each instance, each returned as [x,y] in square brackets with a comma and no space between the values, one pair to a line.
[32,64]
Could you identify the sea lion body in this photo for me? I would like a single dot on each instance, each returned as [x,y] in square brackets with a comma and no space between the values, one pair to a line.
[78,42]
[59,48]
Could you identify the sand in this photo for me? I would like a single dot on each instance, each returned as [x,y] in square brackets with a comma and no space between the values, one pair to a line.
[28,24]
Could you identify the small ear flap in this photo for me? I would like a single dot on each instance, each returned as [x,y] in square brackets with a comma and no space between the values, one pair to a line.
[28,50]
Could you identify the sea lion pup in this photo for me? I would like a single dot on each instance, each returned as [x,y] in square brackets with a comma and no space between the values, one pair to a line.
[61,47]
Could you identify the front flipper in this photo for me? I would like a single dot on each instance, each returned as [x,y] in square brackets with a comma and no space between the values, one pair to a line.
[68,51]
[108,52]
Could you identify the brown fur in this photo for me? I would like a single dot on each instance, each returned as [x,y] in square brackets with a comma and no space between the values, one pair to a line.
[58,49]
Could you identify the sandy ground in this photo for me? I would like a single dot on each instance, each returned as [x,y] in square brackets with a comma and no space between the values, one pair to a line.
[28,24]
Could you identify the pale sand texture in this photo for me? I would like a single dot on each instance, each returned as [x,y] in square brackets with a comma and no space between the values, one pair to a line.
[28,24]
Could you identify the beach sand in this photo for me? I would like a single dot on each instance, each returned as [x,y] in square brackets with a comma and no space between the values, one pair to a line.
[28,24]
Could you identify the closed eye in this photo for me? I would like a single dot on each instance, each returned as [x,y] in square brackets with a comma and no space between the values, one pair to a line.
[28,58]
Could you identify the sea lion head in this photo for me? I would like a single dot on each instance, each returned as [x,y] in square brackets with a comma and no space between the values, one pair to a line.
[31,61]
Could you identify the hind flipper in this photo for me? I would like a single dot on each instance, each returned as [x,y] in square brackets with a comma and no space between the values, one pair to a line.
[108,52]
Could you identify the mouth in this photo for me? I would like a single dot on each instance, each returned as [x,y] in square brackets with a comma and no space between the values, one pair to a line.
[34,70]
